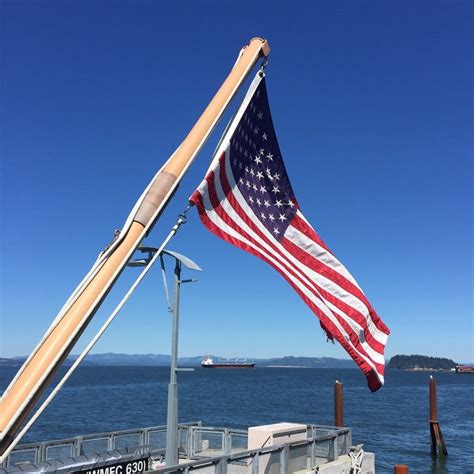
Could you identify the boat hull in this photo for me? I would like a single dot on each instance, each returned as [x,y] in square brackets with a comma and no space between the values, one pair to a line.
[465,369]
[229,366]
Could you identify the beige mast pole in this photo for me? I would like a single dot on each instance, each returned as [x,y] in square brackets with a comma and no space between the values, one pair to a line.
[37,372]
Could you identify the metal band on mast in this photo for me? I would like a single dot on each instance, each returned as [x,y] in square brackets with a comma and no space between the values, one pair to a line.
[48,356]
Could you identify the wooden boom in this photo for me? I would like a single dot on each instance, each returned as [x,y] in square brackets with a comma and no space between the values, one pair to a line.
[48,356]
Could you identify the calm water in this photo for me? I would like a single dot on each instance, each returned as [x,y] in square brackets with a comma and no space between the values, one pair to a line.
[393,422]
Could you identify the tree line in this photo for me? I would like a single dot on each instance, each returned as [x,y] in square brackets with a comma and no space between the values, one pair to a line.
[421,361]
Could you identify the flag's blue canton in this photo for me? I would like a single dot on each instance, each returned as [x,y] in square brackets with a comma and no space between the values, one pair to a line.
[258,168]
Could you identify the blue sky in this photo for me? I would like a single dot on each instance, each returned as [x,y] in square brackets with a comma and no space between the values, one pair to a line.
[372,104]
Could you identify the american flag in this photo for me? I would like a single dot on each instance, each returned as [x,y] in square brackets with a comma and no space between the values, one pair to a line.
[246,199]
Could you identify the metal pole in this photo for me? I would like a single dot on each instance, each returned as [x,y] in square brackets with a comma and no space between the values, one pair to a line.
[338,404]
[172,458]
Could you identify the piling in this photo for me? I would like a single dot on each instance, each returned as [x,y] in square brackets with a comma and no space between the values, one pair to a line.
[338,405]
[400,469]
[433,405]
[437,442]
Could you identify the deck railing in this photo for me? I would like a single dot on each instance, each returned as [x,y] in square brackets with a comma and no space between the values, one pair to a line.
[218,455]
[210,450]
[152,438]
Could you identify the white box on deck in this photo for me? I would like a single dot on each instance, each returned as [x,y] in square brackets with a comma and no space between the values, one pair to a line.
[278,434]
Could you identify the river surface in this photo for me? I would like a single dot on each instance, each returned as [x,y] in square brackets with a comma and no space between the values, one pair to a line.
[392,423]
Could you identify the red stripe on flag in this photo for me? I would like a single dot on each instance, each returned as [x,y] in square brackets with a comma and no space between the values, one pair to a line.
[307,230]
[352,312]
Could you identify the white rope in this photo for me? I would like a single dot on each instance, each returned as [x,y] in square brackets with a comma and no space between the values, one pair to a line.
[93,341]
[357,456]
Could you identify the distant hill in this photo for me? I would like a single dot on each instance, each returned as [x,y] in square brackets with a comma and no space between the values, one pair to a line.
[128,359]
[141,359]
[407,362]
[312,362]
[163,360]
[18,361]
[10,362]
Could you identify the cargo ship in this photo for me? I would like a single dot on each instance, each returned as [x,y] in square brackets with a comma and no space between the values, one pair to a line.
[208,363]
